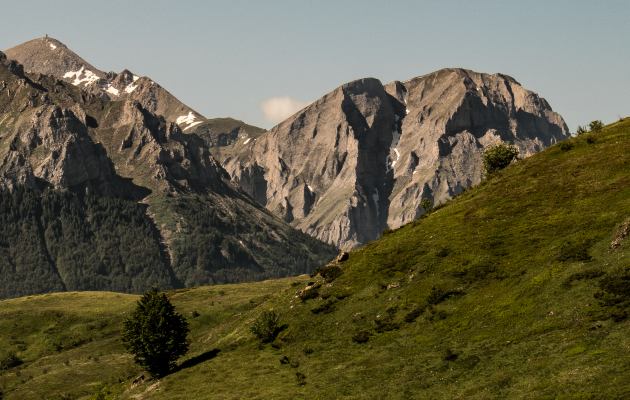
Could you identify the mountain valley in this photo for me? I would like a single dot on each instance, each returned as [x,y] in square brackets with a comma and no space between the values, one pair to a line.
[199,227]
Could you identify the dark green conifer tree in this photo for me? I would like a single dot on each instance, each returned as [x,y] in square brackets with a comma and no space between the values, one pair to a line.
[155,334]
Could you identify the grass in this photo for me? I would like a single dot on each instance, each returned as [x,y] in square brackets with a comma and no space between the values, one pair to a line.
[490,296]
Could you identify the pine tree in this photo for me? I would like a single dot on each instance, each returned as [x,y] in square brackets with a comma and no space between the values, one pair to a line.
[155,333]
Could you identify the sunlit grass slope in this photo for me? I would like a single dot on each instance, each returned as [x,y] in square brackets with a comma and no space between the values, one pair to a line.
[491,296]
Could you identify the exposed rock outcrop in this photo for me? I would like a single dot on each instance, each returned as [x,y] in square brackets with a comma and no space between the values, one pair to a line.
[362,158]
[51,57]
[54,135]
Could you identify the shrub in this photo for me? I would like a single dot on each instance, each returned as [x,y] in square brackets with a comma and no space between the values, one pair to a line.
[265,326]
[387,231]
[9,360]
[415,313]
[329,272]
[301,378]
[449,355]
[596,125]
[590,139]
[310,293]
[498,156]
[574,250]
[386,324]
[102,392]
[426,205]
[361,337]
[443,252]
[586,274]
[581,130]
[438,295]
[614,288]
[326,308]
[154,333]
[566,145]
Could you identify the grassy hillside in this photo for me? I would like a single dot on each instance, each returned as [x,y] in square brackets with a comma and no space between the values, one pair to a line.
[513,289]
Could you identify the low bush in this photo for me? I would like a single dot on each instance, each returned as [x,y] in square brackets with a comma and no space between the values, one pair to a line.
[449,355]
[438,294]
[361,336]
[265,326]
[583,275]
[498,156]
[443,252]
[310,293]
[329,272]
[566,145]
[412,315]
[325,308]
[574,250]
[9,360]
[614,288]
[386,324]
[596,125]
[477,272]
[426,205]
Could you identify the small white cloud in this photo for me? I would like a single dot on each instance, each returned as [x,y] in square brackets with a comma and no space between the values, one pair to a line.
[277,109]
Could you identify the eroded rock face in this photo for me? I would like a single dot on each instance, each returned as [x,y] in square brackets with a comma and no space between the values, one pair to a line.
[51,57]
[362,158]
[49,140]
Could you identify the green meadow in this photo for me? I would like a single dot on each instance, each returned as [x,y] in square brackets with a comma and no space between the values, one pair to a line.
[518,288]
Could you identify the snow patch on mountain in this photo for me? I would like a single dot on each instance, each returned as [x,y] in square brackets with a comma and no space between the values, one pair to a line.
[52,46]
[186,119]
[112,90]
[88,76]
[135,78]
[130,88]
[247,141]
[191,125]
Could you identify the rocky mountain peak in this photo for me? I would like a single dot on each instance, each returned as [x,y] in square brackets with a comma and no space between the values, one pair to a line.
[364,156]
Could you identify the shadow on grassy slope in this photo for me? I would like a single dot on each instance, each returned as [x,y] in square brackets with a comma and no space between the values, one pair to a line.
[191,362]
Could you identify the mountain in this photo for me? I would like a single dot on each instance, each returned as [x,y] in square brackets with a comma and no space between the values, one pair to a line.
[517,288]
[105,195]
[51,57]
[363,157]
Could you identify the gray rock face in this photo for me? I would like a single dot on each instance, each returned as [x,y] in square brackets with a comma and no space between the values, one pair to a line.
[49,140]
[362,158]
[51,57]
[55,135]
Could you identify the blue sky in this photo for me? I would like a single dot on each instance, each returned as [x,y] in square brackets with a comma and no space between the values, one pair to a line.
[225,58]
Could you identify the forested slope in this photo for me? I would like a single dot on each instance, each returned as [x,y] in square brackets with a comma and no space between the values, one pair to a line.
[176,218]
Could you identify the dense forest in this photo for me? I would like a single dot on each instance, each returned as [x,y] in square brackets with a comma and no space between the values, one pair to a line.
[208,251]
[59,241]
